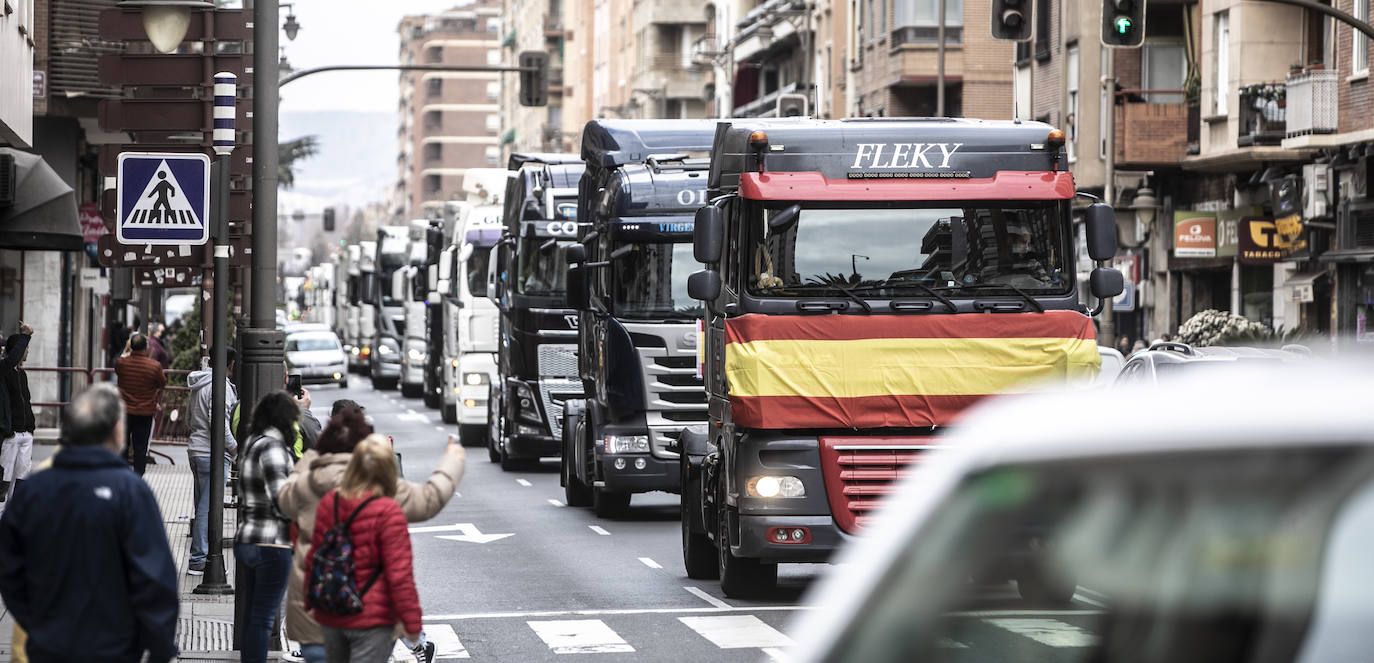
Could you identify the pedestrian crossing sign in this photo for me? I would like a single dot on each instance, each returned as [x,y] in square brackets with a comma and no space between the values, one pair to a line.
[163,198]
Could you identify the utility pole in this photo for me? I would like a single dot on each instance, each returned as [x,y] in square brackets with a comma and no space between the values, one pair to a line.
[226,91]
[940,60]
[1107,325]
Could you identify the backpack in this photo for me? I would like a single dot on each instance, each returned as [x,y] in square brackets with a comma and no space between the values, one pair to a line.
[333,584]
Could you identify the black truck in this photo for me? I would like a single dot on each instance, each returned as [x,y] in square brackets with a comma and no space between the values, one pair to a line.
[537,353]
[637,337]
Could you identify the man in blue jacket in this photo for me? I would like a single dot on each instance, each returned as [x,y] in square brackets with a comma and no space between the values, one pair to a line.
[84,562]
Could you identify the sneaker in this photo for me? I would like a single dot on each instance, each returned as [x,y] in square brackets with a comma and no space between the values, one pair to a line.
[196,569]
[424,652]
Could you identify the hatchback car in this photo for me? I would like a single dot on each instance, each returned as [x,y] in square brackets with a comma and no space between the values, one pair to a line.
[1230,521]
[317,356]
[1165,358]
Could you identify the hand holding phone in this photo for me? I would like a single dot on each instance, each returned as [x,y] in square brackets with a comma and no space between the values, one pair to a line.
[293,385]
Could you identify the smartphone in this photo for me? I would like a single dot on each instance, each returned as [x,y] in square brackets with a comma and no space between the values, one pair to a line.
[293,385]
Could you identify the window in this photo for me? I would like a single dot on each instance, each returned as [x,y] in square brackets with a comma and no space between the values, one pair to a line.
[1163,67]
[493,154]
[493,90]
[434,151]
[1359,57]
[917,21]
[493,123]
[1222,58]
[434,54]
[857,12]
[1071,118]
[493,57]
[1042,30]
[434,86]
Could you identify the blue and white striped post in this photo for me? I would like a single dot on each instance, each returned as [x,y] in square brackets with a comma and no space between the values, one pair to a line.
[222,139]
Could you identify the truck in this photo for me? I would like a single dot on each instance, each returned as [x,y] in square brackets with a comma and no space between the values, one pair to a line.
[865,281]
[537,350]
[356,311]
[471,320]
[387,292]
[424,330]
[637,330]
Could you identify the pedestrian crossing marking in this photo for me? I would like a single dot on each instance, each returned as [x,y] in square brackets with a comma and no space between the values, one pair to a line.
[446,643]
[580,636]
[1050,632]
[737,631]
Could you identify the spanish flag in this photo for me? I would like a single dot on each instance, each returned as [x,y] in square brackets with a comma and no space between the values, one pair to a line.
[845,371]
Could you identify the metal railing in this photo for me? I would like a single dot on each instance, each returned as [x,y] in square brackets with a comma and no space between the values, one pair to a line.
[1313,102]
[1262,115]
[170,424]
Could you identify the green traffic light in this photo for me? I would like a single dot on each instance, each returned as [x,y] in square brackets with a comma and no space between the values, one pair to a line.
[1123,25]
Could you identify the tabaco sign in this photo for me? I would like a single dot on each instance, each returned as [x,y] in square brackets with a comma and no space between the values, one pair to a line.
[1265,241]
[1195,235]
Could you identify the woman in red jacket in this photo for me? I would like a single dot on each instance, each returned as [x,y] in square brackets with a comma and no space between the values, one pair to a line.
[381,545]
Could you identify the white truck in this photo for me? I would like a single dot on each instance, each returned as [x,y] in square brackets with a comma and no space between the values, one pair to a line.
[414,296]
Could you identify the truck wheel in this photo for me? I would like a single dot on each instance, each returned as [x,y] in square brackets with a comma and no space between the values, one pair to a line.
[493,454]
[433,400]
[698,553]
[472,435]
[509,464]
[449,413]
[383,384]
[740,577]
[609,504]
[411,391]
[575,493]
[1040,589]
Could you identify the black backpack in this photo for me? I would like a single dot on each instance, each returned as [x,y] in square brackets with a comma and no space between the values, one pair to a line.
[333,583]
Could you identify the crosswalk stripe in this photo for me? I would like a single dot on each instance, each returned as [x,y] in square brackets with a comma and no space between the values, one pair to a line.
[737,631]
[777,654]
[446,643]
[1050,632]
[580,636]
[401,653]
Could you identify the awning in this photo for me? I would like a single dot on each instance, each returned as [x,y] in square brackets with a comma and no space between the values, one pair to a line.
[1302,279]
[43,216]
[1348,255]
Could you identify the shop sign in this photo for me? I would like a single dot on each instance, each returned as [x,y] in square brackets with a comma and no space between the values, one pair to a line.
[1266,241]
[92,226]
[1227,235]
[1195,234]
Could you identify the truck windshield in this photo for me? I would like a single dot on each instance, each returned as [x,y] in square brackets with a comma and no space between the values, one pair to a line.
[543,267]
[893,251]
[651,281]
[389,263]
[477,271]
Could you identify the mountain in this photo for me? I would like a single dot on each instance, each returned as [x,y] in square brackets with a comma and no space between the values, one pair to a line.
[357,158]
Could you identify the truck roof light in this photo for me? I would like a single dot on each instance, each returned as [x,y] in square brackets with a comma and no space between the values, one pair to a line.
[758,140]
[1055,139]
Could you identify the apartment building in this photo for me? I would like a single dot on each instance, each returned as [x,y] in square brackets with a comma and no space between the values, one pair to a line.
[533,25]
[448,121]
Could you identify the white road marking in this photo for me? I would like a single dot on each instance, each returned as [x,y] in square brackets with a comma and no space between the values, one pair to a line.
[776,654]
[410,411]
[701,594]
[1050,632]
[580,636]
[650,563]
[470,533]
[1091,602]
[440,429]
[611,612]
[598,529]
[1023,613]
[413,417]
[737,631]
[446,643]
[524,482]
[946,643]
[556,503]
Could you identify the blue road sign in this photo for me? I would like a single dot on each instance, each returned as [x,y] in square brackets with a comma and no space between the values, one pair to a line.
[164,198]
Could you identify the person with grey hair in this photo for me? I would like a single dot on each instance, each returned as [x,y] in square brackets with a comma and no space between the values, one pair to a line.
[113,596]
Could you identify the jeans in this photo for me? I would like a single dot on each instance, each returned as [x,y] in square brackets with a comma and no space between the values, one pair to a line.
[139,437]
[359,645]
[314,653]
[200,527]
[266,570]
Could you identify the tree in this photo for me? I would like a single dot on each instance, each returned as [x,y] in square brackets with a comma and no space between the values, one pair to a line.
[291,151]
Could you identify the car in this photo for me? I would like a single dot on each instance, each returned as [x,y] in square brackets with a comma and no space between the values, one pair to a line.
[1167,357]
[1230,521]
[1112,362]
[317,355]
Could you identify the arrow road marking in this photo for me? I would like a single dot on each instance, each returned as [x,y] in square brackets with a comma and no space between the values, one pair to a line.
[470,533]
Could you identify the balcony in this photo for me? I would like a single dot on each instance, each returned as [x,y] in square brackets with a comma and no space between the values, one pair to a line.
[1312,103]
[705,50]
[765,106]
[1261,115]
[1150,135]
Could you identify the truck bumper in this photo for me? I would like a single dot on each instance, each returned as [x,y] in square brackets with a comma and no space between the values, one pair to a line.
[412,373]
[754,542]
[533,446]
[658,473]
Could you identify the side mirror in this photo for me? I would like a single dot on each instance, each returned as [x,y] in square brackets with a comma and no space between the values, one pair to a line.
[433,298]
[444,286]
[398,285]
[1100,227]
[446,266]
[465,253]
[576,255]
[704,285]
[577,288]
[1105,283]
[784,219]
[708,236]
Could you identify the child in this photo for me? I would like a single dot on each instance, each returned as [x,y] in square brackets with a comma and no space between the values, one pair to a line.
[381,559]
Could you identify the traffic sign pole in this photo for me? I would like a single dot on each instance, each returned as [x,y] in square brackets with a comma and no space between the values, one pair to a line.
[215,581]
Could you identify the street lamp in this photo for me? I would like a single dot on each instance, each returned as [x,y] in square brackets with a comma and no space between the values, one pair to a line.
[291,26]
[166,21]
[1145,206]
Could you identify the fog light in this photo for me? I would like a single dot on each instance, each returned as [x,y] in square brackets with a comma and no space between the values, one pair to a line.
[525,404]
[620,463]
[798,534]
[788,535]
[455,391]
[640,463]
[469,402]
[780,536]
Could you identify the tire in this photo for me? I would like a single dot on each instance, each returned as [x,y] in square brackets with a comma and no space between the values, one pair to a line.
[609,504]
[411,391]
[383,384]
[449,413]
[740,577]
[575,493]
[493,454]
[512,464]
[343,384]
[433,400]
[1045,590]
[472,436]
[698,553]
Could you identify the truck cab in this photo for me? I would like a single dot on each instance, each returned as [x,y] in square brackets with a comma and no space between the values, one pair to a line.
[388,297]
[414,293]
[861,290]
[638,328]
[537,352]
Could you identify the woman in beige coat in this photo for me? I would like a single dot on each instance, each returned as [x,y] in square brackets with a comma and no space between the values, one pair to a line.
[321,470]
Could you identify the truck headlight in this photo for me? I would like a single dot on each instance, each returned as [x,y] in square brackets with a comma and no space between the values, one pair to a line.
[385,349]
[771,486]
[416,355]
[627,444]
[474,379]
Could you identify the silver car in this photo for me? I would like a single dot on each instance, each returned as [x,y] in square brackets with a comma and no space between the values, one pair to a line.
[317,355]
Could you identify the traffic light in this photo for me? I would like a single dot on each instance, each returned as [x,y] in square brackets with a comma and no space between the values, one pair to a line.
[1011,19]
[329,219]
[1123,23]
[534,78]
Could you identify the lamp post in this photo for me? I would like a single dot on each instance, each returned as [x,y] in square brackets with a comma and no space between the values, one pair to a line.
[165,21]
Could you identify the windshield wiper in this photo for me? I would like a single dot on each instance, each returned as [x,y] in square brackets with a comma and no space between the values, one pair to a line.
[1035,304]
[863,304]
[949,304]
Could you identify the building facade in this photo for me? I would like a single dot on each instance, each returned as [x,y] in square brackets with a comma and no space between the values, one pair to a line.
[533,25]
[448,121]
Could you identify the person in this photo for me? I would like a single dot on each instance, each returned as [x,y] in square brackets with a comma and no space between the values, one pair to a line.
[140,385]
[1123,345]
[1138,346]
[263,540]
[345,404]
[303,434]
[382,561]
[85,567]
[157,346]
[16,415]
[199,418]
[321,470]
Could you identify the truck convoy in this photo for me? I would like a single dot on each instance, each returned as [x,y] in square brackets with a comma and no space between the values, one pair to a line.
[387,291]
[865,281]
[468,366]
[536,359]
[637,338]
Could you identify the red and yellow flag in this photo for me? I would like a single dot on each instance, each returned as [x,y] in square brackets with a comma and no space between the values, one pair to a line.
[844,371]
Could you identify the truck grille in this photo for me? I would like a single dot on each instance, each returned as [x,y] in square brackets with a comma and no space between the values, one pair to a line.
[557,360]
[860,471]
[553,392]
[673,391]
